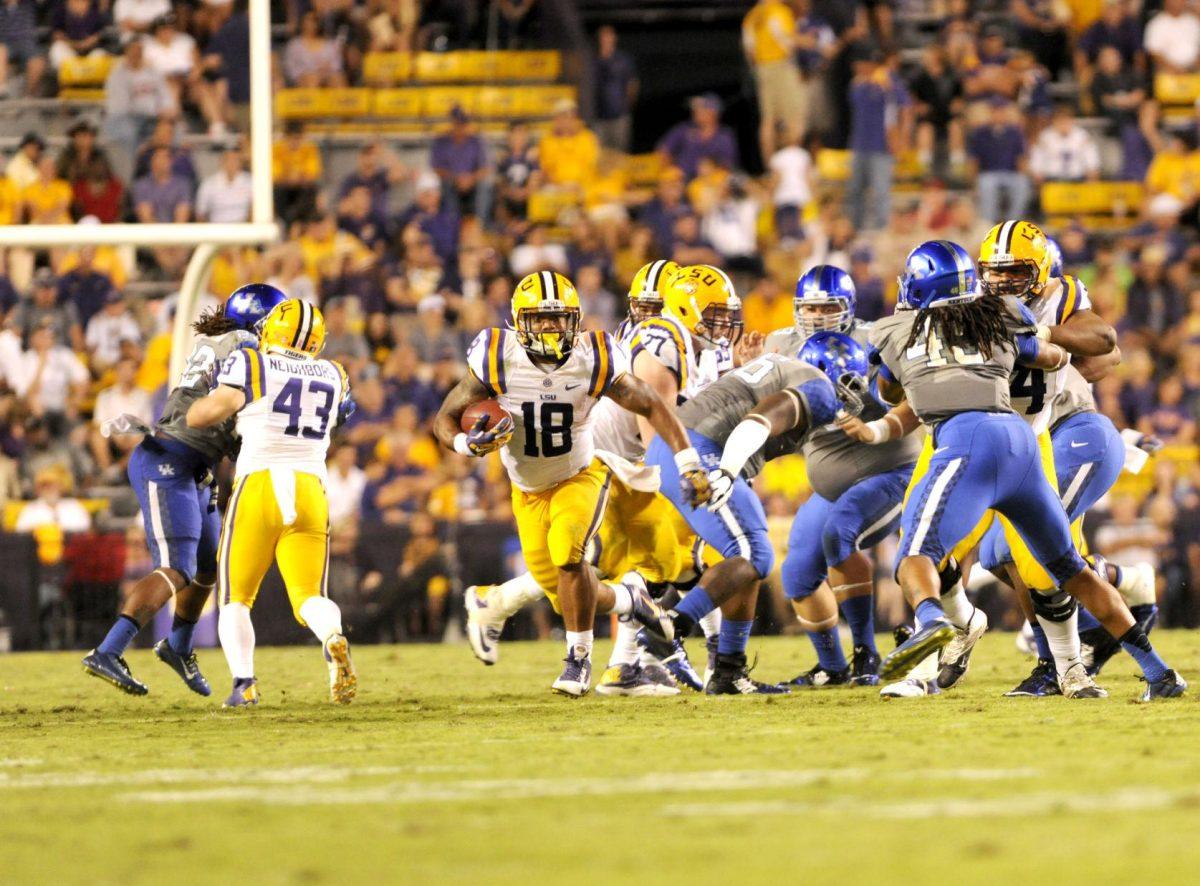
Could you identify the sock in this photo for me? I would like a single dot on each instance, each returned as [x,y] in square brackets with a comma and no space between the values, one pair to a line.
[859,613]
[237,639]
[694,606]
[957,606]
[181,635]
[579,643]
[1146,614]
[625,648]
[1087,621]
[119,636]
[323,617]
[1040,641]
[711,624]
[1062,638]
[828,645]
[928,610]
[515,594]
[1137,644]
[733,637]
[624,598]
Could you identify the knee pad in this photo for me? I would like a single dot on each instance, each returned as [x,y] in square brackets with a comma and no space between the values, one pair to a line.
[800,579]
[1057,606]
[810,627]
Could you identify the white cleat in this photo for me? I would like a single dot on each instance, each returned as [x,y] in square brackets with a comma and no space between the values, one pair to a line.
[343,682]
[576,678]
[956,655]
[910,687]
[484,626]
[1076,683]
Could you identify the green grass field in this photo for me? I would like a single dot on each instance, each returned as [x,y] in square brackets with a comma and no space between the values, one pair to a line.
[444,771]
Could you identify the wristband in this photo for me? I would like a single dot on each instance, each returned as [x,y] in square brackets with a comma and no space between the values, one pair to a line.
[687,460]
[1042,333]
[881,430]
[460,444]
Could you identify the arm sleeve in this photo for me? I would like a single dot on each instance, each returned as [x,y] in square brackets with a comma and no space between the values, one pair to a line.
[819,400]
[1027,348]
[665,343]
[609,363]
[485,359]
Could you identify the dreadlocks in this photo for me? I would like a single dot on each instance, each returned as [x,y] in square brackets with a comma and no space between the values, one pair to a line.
[975,325]
[214,322]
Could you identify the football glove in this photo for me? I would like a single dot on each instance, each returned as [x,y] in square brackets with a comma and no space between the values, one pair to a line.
[481,442]
[721,482]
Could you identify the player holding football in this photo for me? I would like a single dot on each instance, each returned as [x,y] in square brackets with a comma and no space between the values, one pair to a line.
[171,473]
[549,377]
[287,402]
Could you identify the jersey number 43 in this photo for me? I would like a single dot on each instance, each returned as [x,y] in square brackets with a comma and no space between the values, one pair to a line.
[291,402]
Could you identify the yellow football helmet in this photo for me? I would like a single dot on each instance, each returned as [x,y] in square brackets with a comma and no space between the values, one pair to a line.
[646,290]
[545,312]
[294,326]
[703,299]
[1014,259]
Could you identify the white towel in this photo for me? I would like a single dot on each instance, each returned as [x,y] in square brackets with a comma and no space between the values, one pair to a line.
[1135,458]
[639,477]
[283,482]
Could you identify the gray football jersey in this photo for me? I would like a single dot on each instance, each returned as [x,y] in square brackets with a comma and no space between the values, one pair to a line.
[941,382]
[788,341]
[720,407]
[1075,397]
[208,353]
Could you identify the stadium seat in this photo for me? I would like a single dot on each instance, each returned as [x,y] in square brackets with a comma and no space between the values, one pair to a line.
[298,104]
[643,170]
[441,67]
[547,206]
[81,94]
[833,165]
[499,102]
[1177,89]
[397,103]
[387,68]
[88,71]
[438,101]
[1091,198]
[529,66]
[345,102]
[539,101]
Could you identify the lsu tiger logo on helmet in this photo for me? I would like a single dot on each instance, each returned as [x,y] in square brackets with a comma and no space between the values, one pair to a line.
[294,326]
[646,290]
[1015,259]
[546,313]
[703,299]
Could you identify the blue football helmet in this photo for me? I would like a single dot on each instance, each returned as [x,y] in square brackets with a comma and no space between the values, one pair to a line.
[835,354]
[821,286]
[937,273]
[1056,258]
[250,304]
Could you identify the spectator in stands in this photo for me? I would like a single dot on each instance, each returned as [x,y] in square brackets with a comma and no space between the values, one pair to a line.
[460,159]
[173,54]
[997,152]
[702,136]
[1064,151]
[163,197]
[987,71]
[769,41]
[424,580]
[433,216]
[538,253]
[19,45]
[394,27]
[568,153]
[85,287]
[359,217]
[297,168]
[1175,170]
[515,21]
[688,244]
[369,422]
[424,270]
[345,485]
[76,27]
[731,226]
[165,134]
[767,307]
[430,336]
[868,285]
[137,17]
[1117,28]
[22,169]
[288,276]
[48,200]
[1042,29]
[793,181]
[123,397]
[1172,38]
[377,168]
[341,341]
[668,205]
[518,173]
[81,154]
[135,98]
[53,379]
[227,58]
[42,307]
[312,60]
[617,85]
[392,496]
[99,194]
[402,381]
[872,112]
[937,91]
[330,253]
[225,196]
[108,330]
[1117,92]
[50,508]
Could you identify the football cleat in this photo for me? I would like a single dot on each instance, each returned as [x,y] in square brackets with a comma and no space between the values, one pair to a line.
[483,626]
[343,682]
[956,657]
[185,666]
[576,678]
[114,670]
[636,682]
[1077,683]
[245,693]
[928,639]
[646,612]
[732,677]
[1041,682]
[673,657]
[711,644]
[1171,685]
[816,677]
[910,687]
[864,668]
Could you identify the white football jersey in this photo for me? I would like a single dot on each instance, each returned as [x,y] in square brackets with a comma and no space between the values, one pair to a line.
[552,406]
[1033,391]
[291,409]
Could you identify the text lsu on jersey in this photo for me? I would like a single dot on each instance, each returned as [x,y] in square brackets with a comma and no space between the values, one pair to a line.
[551,405]
[291,409]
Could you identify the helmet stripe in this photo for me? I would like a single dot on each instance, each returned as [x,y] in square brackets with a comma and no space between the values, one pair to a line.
[654,278]
[1004,239]
[308,324]
[549,286]
[296,335]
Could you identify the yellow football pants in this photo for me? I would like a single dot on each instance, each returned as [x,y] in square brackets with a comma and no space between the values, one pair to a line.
[556,525]
[254,534]
[638,534]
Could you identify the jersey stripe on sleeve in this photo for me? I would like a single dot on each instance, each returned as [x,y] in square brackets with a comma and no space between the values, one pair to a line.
[255,371]
[501,344]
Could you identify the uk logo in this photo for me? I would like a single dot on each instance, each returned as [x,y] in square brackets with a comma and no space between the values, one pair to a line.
[167,470]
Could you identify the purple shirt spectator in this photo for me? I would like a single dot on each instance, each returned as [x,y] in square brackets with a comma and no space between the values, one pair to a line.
[441,227]
[86,289]
[18,30]
[614,74]
[1125,36]
[377,183]
[1137,401]
[163,196]
[455,157]
[415,392]
[78,27]
[869,117]
[232,43]
[997,148]
[685,144]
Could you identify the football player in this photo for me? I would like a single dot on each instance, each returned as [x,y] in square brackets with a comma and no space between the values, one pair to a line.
[548,377]
[952,356]
[171,473]
[287,402]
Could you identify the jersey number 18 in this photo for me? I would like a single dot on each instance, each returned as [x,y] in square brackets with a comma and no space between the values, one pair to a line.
[553,431]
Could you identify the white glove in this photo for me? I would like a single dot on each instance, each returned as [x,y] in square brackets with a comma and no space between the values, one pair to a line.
[721,482]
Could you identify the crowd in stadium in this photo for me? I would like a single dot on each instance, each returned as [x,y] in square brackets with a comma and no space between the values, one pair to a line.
[866,148]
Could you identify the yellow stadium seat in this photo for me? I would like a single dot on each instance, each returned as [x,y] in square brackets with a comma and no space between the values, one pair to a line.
[298,104]
[1100,198]
[532,65]
[345,102]
[539,101]
[437,101]
[441,67]
[909,166]
[91,70]
[387,68]
[82,95]
[1177,89]
[643,169]
[833,165]
[502,102]
[547,206]
[397,103]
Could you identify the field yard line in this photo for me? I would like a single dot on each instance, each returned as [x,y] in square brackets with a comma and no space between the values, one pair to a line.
[290,775]
[15,762]
[541,788]
[1128,800]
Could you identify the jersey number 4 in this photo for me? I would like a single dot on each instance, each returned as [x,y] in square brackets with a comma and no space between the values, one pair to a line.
[1029,383]
[288,403]
[553,431]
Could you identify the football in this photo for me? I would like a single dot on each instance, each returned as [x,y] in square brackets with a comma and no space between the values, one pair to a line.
[490,408]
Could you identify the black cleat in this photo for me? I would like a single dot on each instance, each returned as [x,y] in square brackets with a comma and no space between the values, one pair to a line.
[817,677]
[731,677]
[1041,682]
[864,668]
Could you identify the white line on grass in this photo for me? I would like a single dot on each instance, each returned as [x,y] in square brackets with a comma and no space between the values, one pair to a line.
[290,775]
